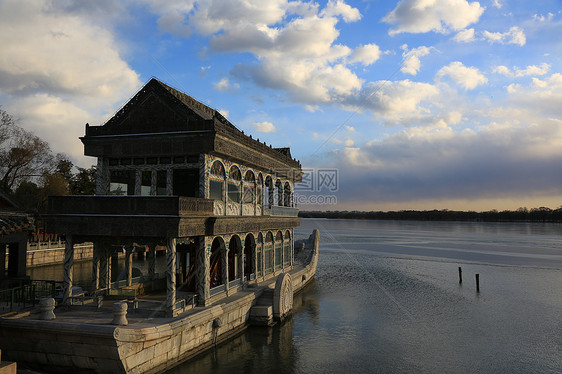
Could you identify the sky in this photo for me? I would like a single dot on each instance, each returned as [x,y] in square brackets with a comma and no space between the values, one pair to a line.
[389,105]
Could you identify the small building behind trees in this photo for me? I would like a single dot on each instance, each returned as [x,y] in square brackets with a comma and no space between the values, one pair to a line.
[15,227]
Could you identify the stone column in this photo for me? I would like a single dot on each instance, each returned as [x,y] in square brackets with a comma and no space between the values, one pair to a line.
[102,177]
[240,265]
[137,182]
[68,268]
[283,253]
[292,243]
[255,257]
[96,267]
[171,274]
[203,271]
[129,267]
[152,260]
[241,197]
[169,185]
[203,179]
[225,195]
[224,260]
[102,254]
[152,182]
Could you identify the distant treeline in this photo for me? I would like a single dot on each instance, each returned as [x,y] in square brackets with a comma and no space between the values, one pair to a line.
[541,214]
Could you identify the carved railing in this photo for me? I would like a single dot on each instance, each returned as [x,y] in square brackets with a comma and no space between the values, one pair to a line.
[283,211]
[130,205]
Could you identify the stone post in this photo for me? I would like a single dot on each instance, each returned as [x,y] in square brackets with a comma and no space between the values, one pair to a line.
[46,308]
[129,267]
[103,267]
[171,274]
[203,271]
[68,268]
[120,314]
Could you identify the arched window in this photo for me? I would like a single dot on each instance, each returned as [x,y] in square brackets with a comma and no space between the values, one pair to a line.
[279,189]
[270,192]
[234,255]
[217,169]
[249,186]
[249,251]
[216,181]
[287,194]
[216,263]
[234,185]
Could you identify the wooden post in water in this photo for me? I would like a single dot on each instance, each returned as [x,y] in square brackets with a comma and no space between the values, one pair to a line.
[460,275]
[477,282]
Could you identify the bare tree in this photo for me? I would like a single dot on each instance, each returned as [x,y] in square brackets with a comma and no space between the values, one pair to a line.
[23,155]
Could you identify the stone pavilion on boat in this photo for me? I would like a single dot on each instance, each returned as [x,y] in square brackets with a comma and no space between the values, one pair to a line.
[174,173]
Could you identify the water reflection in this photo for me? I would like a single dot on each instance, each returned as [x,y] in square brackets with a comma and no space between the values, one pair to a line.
[369,311]
[258,349]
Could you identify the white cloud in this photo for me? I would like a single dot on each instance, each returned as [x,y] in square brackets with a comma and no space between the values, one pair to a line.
[348,142]
[541,69]
[502,69]
[59,61]
[225,113]
[497,4]
[514,36]
[366,54]
[464,36]
[543,18]
[265,126]
[397,102]
[467,77]
[411,58]
[340,8]
[225,85]
[420,16]
[350,128]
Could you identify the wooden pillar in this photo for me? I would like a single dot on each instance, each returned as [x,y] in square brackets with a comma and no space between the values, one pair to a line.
[129,267]
[151,260]
[203,273]
[96,267]
[68,268]
[170,274]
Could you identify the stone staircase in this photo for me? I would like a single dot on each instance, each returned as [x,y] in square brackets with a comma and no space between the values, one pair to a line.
[262,312]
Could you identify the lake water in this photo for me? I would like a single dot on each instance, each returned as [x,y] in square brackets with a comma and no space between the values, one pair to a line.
[386,299]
